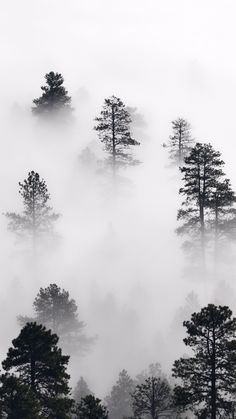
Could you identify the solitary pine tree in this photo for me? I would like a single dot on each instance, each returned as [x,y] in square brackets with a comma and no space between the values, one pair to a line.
[81,390]
[38,218]
[55,309]
[36,359]
[208,377]
[151,397]
[119,402]
[202,171]
[90,407]
[54,99]
[181,140]
[113,128]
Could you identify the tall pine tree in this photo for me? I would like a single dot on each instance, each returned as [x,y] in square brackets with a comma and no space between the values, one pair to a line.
[181,141]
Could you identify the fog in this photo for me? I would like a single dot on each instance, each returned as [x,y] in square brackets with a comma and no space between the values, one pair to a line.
[118,254]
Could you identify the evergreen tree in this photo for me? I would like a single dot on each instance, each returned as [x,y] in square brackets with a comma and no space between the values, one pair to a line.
[37,218]
[119,402]
[151,397]
[113,128]
[54,99]
[181,141]
[36,359]
[17,399]
[81,390]
[91,408]
[208,377]
[55,309]
[202,172]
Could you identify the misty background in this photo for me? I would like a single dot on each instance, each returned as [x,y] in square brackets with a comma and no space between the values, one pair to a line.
[118,256]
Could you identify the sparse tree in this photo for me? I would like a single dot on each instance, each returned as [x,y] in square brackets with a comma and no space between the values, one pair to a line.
[119,402]
[151,397]
[55,309]
[81,390]
[153,370]
[38,218]
[54,99]
[181,140]
[208,376]
[113,128]
[36,359]
[91,407]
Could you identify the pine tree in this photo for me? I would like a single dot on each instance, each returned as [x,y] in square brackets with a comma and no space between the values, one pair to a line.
[36,359]
[38,218]
[119,402]
[90,407]
[81,390]
[54,99]
[113,128]
[55,309]
[202,172]
[151,397]
[208,376]
[181,141]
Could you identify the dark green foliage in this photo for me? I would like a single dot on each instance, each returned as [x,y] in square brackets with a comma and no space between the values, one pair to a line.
[54,98]
[81,390]
[36,359]
[17,400]
[181,140]
[151,398]
[91,408]
[208,377]
[37,218]
[119,402]
[55,309]
[113,130]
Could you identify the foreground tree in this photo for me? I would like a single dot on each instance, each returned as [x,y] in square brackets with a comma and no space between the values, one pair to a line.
[119,402]
[36,359]
[181,141]
[38,218]
[55,99]
[91,408]
[208,377]
[113,128]
[151,397]
[55,309]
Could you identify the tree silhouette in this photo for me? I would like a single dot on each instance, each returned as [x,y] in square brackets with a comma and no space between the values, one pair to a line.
[55,309]
[113,128]
[119,402]
[181,141]
[54,99]
[81,390]
[38,218]
[90,407]
[208,377]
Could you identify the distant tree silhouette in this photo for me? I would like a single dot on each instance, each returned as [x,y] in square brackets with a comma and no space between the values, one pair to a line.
[55,309]
[151,397]
[81,390]
[54,99]
[90,407]
[113,128]
[36,359]
[208,376]
[181,141]
[38,218]
[119,402]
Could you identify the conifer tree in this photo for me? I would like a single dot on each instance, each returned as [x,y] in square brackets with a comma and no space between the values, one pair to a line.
[36,359]
[81,390]
[54,99]
[181,140]
[58,312]
[208,376]
[113,128]
[90,407]
[38,217]
[119,402]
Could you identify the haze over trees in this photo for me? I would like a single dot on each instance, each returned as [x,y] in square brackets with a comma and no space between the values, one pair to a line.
[119,401]
[81,390]
[208,376]
[54,100]
[113,127]
[54,309]
[181,141]
[37,220]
